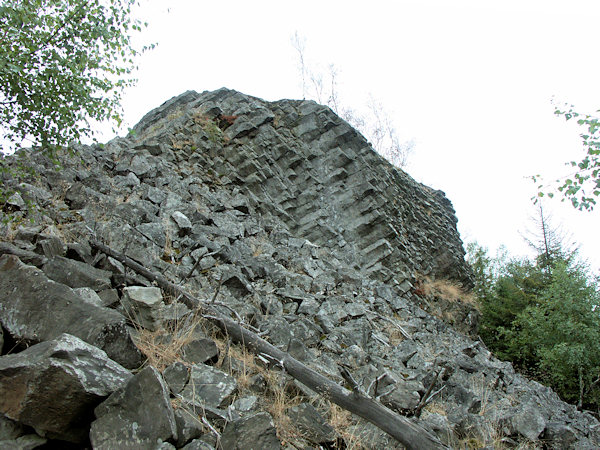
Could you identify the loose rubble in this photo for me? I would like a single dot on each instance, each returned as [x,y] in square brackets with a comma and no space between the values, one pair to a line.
[283,217]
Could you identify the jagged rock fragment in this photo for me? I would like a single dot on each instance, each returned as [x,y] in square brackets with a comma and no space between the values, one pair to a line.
[34,308]
[138,415]
[176,376]
[76,274]
[311,423]
[183,223]
[55,385]
[252,432]
[529,422]
[208,386]
[143,305]
[189,425]
[200,351]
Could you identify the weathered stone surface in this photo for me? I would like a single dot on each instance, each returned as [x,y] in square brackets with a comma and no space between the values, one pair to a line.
[310,423]
[90,296]
[143,304]
[183,223]
[51,246]
[561,435]
[200,351]
[26,442]
[529,422]
[54,386]
[198,444]
[253,432]
[176,376]
[405,396]
[208,386]
[245,404]
[76,274]
[34,308]
[189,426]
[9,429]
[27,256]
[138,415]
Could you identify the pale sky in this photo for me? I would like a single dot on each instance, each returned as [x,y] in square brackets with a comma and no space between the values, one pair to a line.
[470,81]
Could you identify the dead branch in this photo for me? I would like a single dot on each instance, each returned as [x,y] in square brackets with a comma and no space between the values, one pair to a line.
[427,398]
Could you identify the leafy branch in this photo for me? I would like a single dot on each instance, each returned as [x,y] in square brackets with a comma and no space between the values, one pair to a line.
[581,187]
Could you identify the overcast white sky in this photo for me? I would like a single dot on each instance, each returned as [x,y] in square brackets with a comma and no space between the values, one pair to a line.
[470,81]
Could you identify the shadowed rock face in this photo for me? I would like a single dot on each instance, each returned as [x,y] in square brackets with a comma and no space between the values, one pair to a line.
[301,162]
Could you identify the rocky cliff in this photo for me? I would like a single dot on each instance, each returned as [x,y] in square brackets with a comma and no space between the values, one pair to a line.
[281,216]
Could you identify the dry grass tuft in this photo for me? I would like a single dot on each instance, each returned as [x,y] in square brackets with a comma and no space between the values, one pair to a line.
[163,347]
[279,393]
[450,291]
[342,422]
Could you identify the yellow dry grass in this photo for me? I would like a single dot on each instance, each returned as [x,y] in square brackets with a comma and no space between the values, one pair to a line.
[450,291]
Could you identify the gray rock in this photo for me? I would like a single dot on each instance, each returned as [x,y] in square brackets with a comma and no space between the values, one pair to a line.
[51,246]
[154,231]
[156,195]
[208,386]
[183,223]
[76,274]
[26,442]
[198,444]
[138,415]
[140,166]
[9,429]
[405,396]
[34,308]
[143,304]
[439,424]
[189,426]
[255,432]
[54,386]
[16,202]
[200,351]
[310,423]
[172,313]
[529,422]
[27,256]
[109,297]
[246,404]
[90,296]
[176,376]
[560,434]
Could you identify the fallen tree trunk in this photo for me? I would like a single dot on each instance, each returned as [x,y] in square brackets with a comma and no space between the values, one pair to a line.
[407,433]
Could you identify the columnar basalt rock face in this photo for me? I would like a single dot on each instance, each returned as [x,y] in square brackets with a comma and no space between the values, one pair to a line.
[283,217]
[302,163]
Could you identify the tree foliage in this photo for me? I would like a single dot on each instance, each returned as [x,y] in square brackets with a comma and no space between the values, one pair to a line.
[582,187]
[561,332]
[543,314]
[62,64]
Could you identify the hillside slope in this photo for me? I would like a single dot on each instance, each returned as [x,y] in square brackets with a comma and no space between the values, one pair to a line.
[281,216]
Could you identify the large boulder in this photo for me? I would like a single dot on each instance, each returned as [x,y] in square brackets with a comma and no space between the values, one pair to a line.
[76,274]
[208,386]
[34,308]
[54,386]
[137,416]
[255,432]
